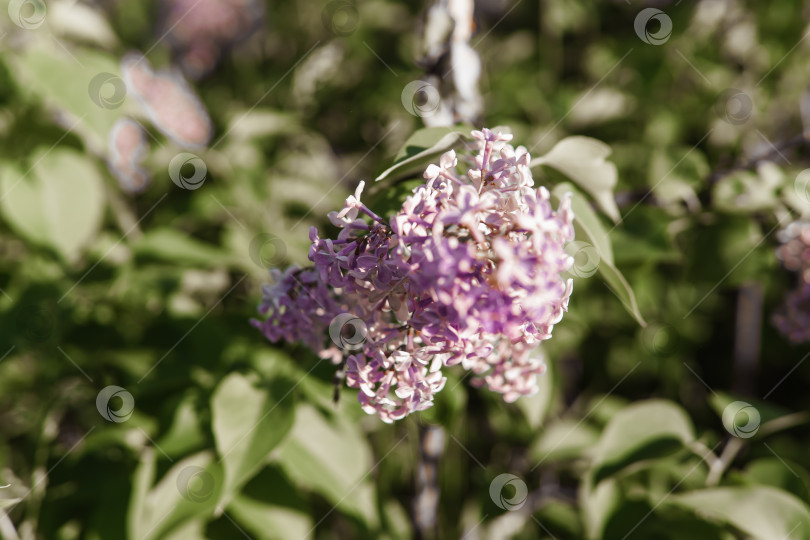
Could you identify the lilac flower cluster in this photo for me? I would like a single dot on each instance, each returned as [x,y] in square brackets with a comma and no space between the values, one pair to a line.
[793,319]
[200,31]
[467,272]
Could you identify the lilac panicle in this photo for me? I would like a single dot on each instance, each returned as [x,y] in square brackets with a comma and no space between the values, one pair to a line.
[793,318]
[468,272]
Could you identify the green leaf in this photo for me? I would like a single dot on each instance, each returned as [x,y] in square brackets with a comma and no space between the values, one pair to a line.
[561,515]
[535,408]
[57,202]
[424,144]
[189,489]
[185,432]
[8,500]
[598,502]
[779,473]
[63,80]
[582,159]
[141,482]
[764,417]
[172,245]
[248,422]
[621,288]
[642,431]
[587,224]
[760,511]
[565,439]
[586,221]
[387,199]
[333,459]
[268,522]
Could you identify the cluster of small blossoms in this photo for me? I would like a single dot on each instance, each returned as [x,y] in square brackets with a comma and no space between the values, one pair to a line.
[468,272]
[200,31]
[793,319]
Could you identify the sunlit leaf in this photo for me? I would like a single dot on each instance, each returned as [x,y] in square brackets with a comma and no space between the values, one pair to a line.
[83,83]
[423,145]
[173,245]
[780,473]
[332,458]
[565,439]
[189,489]
[58,201]
[642,431]
[586,220]
[588,228]
[248,422]
[583,160]
[269,522]
[763,512]
[535,407]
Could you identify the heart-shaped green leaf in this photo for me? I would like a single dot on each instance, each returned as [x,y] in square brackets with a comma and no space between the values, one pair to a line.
[57,202]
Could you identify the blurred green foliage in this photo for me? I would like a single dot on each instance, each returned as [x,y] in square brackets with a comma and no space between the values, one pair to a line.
[231,436]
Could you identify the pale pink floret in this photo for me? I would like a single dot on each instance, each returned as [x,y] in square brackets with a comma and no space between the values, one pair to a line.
[127,150]
[170,103]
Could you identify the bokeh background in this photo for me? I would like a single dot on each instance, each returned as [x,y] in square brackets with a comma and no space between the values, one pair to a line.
[136,401]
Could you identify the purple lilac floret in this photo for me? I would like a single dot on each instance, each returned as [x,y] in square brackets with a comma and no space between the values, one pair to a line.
[468,272]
